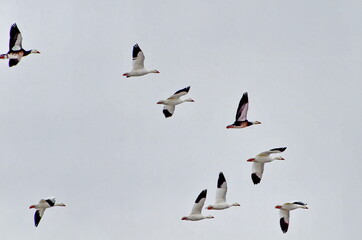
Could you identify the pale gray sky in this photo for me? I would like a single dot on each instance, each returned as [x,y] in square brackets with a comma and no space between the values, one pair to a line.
[72,127]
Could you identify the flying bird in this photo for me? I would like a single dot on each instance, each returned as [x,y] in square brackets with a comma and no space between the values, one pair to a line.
[241,114]
[260,159]
[16,51]
[195,214]
[220,201]
[138,64]
[41,206]
[174,100]
[284,213]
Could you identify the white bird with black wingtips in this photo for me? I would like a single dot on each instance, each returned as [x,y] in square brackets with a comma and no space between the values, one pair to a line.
[241,120]
[138,64]
[196,214]
[260,160]
[220,200]
[284,213]
[16,51]
[41,206]
[174,100]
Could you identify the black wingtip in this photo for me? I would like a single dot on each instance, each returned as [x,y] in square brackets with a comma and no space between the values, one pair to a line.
[221,180]
[13,62]
[37,218]
[50,202]
[166,113]
[136,50]
[255,178]
[283,225]
[186,89]
[245,98]
[14,29]
[201,195]
[282,149]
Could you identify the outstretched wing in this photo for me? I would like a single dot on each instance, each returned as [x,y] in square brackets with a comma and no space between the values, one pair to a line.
[38,215]
[242,111]
[274,150]
[221,189]
[284,220]
[15,42]
[180,93]
[257,172]
[199,203]
[168,110]
[138,57]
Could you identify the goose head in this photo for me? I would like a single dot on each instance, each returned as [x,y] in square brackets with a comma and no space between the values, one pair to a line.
[189,100]
[34,51]
[60,204]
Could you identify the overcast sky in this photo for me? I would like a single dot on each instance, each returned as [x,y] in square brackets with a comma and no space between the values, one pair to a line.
[72,127]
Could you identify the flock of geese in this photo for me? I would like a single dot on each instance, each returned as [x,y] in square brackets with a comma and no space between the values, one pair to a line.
[16,53]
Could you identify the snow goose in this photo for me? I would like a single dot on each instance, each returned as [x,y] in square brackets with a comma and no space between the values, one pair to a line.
[41,206]
[220,201]
[260,159]
[138,64]
[241,114]
[195,214]
[174,100]
[16,51]
[284,213]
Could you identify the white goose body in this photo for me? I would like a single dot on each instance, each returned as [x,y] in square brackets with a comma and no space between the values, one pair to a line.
[139,72]
[42,206]
[13,55]
[260,160]
[138,68]
[196,214]
[171,102]
[284,213]
[220,199]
